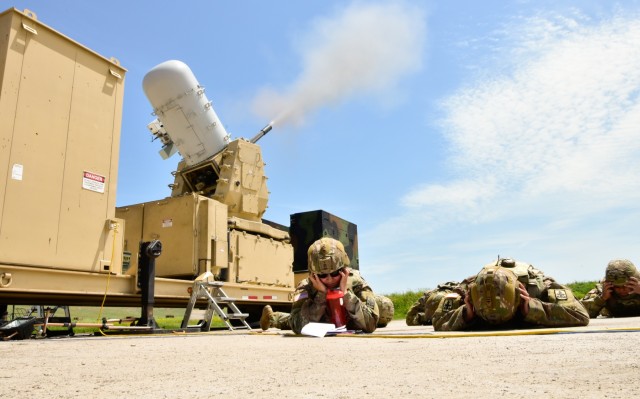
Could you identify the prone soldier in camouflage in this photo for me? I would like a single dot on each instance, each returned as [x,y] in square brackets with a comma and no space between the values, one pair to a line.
[328,269]
[618,295]
[509,294]
[422,310]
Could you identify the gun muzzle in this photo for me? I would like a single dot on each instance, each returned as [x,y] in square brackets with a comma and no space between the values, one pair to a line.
[261,133]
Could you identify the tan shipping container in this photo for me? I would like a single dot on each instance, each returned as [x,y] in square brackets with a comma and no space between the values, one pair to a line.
[59,148]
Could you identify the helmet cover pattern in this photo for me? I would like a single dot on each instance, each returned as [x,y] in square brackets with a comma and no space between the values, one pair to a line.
[495,295]
[386,308]
[619,271]
[326,255]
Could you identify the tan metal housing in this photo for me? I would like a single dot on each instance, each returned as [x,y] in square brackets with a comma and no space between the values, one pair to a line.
[62,240]
[60,116]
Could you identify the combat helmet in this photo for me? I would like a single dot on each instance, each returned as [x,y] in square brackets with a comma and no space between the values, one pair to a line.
[495,295]
[619,271]
[385,306]
[326,255]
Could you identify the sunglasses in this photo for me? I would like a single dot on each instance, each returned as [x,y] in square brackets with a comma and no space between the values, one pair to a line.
[332,274]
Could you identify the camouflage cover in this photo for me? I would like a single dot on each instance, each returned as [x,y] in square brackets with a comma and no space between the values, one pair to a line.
[422,310]
[386,308]
[326,255]
[495,295]
[528,275]
[619,270]
[551,305]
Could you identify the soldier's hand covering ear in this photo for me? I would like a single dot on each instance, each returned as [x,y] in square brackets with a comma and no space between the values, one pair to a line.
[317,284]
[525,298]
[344,274]
[633,285]
[469,312]
[607,290]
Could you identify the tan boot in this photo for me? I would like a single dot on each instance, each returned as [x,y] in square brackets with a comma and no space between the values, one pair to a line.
[265,319]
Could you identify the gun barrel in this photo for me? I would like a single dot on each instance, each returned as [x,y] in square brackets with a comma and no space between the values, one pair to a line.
[261,133]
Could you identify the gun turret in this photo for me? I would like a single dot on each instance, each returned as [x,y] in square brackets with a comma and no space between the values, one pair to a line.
[262,132]
[231,172]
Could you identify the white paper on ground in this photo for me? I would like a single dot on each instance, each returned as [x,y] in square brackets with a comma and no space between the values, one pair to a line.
[321,329]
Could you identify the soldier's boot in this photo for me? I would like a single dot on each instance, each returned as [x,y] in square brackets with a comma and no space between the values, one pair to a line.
[267,316]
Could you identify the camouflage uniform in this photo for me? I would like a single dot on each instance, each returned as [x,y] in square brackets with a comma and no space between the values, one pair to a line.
[551,304]
[422,310]
[386,309]
[281,320]
[310,305]
[327,256]
[618,271]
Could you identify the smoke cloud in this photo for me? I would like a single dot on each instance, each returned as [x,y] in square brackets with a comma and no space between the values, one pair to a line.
[365,49]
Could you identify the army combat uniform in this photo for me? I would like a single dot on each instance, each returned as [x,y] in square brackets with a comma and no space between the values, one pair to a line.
[618,274]
[310,305]
[281,320]
[615,306]
[551,305]
[422,310]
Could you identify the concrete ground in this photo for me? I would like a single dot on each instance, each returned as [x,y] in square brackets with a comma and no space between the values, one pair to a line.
[601,360]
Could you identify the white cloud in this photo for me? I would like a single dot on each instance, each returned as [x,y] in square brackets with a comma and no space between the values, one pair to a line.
[545,156]
[457,193]
[364,49]
[563,123]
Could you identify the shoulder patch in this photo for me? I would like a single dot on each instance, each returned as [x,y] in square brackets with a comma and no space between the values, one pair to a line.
[561,294]
[447,304]
[449,301]
[301,295]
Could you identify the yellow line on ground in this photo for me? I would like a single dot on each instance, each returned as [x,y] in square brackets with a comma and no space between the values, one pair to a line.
[455,334]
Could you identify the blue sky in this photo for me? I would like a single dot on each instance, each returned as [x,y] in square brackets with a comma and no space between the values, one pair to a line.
[450,132]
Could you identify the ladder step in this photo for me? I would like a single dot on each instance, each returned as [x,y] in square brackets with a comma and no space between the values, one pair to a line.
[214,294]
[224,299]
[237,315]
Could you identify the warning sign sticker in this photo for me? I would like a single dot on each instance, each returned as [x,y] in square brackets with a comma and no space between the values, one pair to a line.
[93,182]
[16,171]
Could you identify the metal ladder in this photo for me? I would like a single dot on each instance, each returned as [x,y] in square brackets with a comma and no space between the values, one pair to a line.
[212,291]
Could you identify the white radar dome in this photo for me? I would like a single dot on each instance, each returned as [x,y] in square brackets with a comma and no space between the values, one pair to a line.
[182,107]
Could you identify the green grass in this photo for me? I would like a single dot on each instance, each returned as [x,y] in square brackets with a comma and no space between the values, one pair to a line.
[403,301]
[580,288]
[166,318]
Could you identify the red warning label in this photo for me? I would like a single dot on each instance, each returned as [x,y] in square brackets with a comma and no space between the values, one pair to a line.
[93,182]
